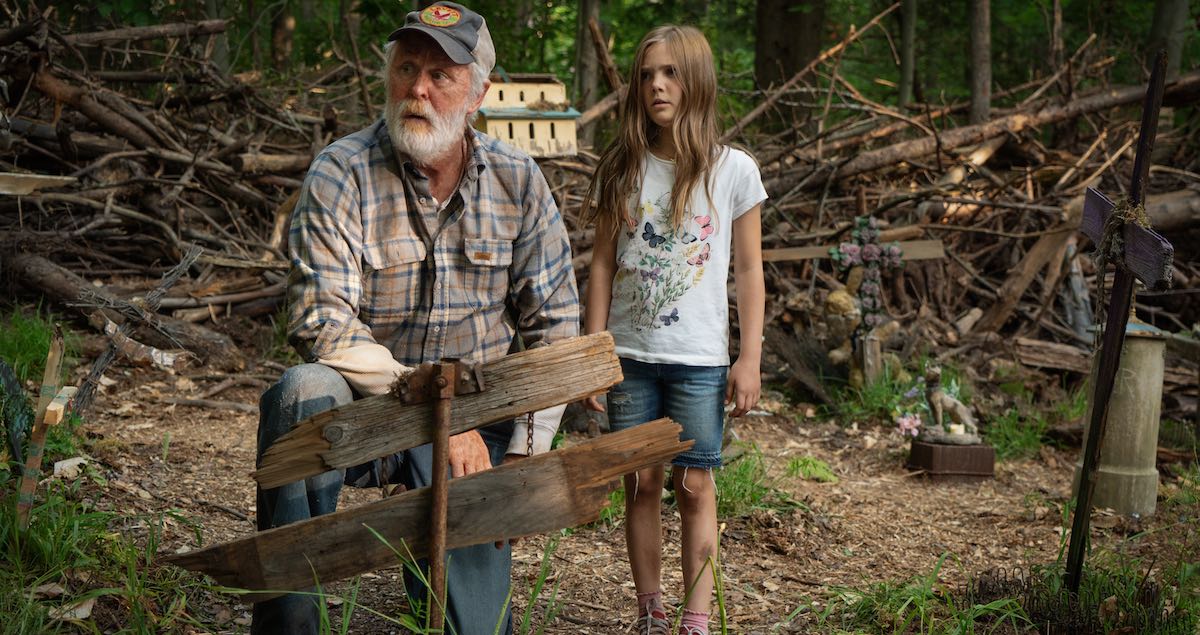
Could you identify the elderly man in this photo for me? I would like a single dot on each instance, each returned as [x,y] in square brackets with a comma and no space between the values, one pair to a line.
[418,239]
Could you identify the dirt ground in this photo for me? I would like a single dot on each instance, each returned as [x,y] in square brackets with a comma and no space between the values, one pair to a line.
[877,523]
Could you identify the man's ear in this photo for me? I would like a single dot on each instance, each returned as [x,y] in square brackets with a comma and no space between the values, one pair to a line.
[487,83]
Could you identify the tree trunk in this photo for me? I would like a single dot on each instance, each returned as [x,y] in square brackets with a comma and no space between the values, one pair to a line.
[587,68]
[981,60]
[908,38]
[787,38]
[1168,31]
[220,55]
[283,27]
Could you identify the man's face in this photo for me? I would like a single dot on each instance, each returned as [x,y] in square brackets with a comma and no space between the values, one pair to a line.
[429,97]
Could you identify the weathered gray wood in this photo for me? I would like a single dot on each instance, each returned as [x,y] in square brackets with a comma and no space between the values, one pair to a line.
[378,426]
[544,493]
[910,250]
[1148,255]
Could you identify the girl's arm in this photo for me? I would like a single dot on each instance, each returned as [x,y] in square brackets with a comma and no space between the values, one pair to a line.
[744,376]
[599,287]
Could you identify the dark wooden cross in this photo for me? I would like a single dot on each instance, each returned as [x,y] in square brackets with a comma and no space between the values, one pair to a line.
[1147,257]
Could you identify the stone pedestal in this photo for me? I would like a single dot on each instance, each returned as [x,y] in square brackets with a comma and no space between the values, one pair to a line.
[942,462]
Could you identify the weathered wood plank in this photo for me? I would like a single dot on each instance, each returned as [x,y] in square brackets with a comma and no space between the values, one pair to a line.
[548,492]
[1027,270]
[378,426]
[1148,256]
[911,250]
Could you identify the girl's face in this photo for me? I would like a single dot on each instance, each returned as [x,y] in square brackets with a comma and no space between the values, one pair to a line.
[662,95]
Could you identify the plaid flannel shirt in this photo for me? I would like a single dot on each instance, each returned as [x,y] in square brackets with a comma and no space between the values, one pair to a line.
[371,261]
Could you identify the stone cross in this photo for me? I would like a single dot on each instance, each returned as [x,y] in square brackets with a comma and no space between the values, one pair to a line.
[1146,257]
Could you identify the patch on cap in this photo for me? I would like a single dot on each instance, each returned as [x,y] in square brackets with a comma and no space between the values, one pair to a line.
[440,15]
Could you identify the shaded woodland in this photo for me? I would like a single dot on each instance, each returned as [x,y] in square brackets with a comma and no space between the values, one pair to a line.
[166,139]
[151,155]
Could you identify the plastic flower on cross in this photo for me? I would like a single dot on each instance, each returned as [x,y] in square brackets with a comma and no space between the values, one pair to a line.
[908,424]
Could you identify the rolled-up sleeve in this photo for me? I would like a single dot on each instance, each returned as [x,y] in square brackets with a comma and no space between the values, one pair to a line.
[325,249]
[543,293]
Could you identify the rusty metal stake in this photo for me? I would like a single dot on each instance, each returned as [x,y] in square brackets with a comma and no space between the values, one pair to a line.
[442,393]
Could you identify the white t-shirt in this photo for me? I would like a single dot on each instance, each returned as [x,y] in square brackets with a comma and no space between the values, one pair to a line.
[669,296]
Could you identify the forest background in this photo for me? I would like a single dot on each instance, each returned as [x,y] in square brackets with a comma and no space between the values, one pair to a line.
[757,43]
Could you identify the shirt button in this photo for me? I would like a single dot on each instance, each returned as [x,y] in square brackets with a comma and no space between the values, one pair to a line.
[437,329]
[424,200]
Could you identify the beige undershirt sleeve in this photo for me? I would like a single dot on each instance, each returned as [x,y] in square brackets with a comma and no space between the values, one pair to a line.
[370,369]
[545,425]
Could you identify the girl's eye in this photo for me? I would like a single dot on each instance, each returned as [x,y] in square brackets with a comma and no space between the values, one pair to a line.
[670,71]
[645,75]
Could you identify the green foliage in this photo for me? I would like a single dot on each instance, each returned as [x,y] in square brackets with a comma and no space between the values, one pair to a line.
[279,349]
[810,468]
[744,486]
[614,510]
[1016,435]
[71,544]
[418,617]
[25,342]
[921,604]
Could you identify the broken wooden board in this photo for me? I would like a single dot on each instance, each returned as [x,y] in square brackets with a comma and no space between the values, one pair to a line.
[24,184]
[1148,255]
[378,426]
[910,250]
[548,492]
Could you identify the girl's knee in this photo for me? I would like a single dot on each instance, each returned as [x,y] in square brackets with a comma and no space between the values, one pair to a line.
[694,486]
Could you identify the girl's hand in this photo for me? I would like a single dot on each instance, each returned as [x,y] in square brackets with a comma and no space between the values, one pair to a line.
[593,404]
[743,387]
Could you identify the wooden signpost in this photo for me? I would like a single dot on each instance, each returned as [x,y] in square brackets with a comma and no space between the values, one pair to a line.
[378,426]
[543,493]
[1147,257]
[547,492]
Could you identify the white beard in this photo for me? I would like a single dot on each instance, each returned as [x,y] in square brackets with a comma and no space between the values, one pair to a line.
[420,141]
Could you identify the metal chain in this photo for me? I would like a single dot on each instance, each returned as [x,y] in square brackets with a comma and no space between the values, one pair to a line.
[529,441]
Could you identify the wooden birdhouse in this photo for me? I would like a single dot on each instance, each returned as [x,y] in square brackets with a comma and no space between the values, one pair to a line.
[530,111]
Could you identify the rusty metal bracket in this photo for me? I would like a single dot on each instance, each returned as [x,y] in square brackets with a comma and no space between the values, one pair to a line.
[417,387]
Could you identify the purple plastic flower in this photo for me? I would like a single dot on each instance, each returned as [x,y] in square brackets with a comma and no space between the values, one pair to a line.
[871,253]
[908,424]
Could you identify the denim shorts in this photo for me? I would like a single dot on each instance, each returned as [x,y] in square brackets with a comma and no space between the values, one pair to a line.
[692,396]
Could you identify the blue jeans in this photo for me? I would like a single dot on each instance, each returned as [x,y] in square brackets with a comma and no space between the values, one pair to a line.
[477,577]
[693,396]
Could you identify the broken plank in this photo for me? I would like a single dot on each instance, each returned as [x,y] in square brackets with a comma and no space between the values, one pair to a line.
[377,426]
[910,250]
[547,492]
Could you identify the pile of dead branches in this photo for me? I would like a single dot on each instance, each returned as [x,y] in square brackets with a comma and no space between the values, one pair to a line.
[165,152]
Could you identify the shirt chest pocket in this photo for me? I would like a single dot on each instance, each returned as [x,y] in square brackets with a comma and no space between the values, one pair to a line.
[391,279]
[485,276]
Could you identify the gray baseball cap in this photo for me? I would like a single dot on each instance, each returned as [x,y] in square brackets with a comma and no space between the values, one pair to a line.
[461,32]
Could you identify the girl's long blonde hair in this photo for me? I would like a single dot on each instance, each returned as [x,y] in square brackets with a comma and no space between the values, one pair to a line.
[694,132]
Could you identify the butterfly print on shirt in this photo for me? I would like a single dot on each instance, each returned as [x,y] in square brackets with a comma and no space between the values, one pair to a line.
[652,238]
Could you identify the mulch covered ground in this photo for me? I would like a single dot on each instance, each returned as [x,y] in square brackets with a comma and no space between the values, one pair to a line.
[877,523]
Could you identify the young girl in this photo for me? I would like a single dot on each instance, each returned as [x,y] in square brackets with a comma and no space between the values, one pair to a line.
[668,200]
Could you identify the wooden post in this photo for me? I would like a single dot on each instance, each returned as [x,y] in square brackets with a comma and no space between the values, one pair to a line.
[1153,268]
[441,392]
[37,436]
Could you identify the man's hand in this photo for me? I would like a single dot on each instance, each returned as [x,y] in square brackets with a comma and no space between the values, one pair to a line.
[468,454]
[593,403]
[743,387]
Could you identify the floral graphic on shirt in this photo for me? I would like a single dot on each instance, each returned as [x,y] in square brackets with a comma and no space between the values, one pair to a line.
[660,263]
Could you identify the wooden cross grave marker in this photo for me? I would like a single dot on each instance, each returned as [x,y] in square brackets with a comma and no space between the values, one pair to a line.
[558,489]
[1146,257]
[872,363]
